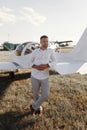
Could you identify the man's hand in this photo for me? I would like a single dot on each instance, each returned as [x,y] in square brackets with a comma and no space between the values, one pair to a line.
[41,67]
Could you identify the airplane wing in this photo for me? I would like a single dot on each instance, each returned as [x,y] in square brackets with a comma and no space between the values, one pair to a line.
[23,61]
[17,62]
[71,67]
[7,66]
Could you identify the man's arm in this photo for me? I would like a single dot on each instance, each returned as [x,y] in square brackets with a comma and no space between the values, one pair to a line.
[41,67]
[32,57]
[53,59]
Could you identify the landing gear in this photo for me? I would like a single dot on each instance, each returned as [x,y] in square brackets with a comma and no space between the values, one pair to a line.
[11,75]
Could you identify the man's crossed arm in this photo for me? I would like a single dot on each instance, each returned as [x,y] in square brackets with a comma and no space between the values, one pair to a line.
[41,67]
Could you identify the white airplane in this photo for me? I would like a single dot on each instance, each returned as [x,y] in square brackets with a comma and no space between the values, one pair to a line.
[67,63]
[53,45]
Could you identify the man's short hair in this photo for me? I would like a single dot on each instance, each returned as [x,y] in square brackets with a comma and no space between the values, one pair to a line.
[44,36]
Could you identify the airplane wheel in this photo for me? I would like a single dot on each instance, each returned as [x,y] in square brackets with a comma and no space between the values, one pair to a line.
[11,75]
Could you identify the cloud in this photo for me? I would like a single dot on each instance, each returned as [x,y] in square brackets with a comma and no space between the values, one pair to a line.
[31,16]
[27,14]
[6,16]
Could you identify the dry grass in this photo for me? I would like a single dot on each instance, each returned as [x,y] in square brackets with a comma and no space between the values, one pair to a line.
[65,109]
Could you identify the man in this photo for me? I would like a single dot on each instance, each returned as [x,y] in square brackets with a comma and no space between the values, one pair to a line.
[42,59]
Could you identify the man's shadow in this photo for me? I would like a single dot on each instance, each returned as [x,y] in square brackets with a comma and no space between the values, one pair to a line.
[5,81]
[13,121]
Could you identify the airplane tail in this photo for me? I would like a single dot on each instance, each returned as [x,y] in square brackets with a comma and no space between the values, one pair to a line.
[74,61]
[79,53]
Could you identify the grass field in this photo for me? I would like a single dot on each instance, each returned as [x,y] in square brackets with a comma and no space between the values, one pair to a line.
[65,109]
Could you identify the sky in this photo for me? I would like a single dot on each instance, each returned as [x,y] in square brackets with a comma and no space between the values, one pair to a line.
[27,20]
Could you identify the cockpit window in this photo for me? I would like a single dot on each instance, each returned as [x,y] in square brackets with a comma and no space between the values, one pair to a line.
[19,50]
[26,48]
[29,49]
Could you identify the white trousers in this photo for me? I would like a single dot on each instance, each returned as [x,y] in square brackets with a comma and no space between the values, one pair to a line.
[38,85]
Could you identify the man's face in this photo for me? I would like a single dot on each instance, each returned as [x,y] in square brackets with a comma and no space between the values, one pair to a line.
[44,42]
